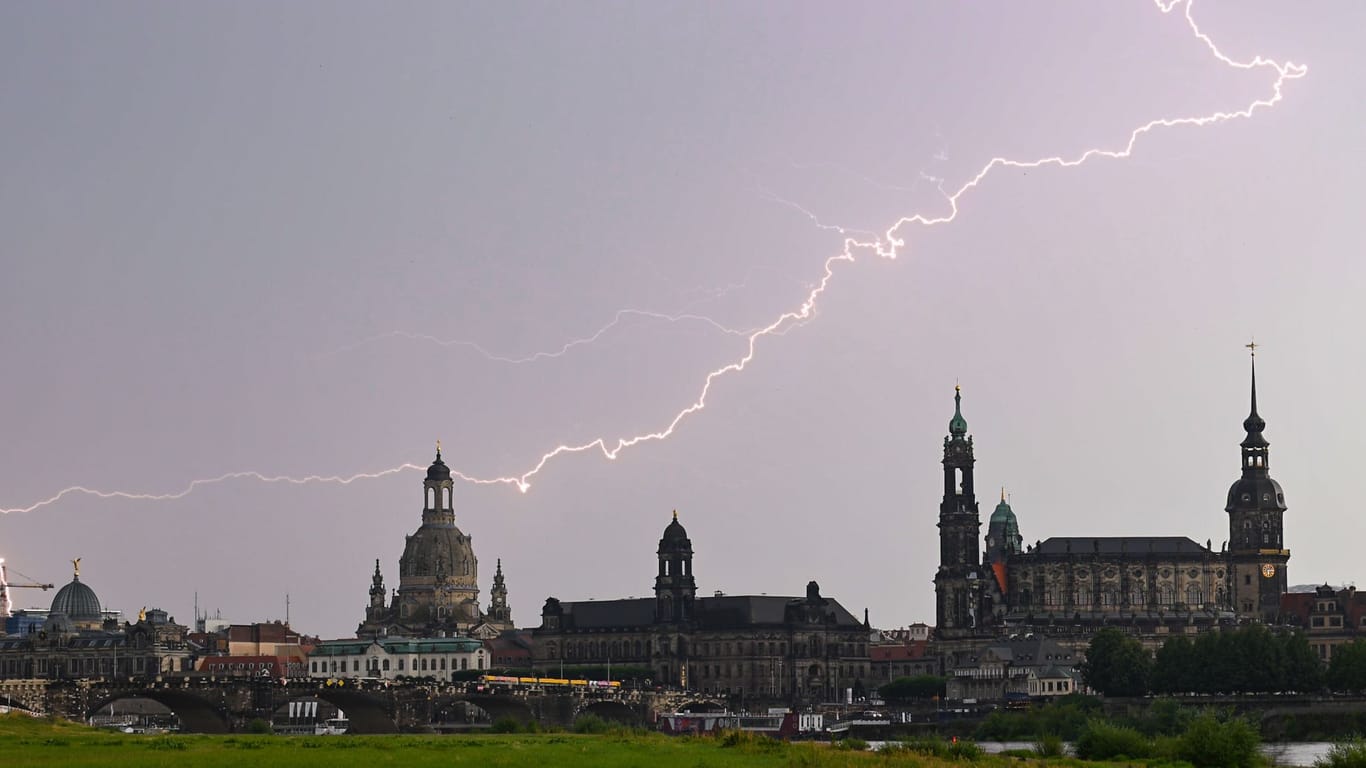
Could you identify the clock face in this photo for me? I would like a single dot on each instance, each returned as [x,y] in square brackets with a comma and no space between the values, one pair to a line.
[1268,570]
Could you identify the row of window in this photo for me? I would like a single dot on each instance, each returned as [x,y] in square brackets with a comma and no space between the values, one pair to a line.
[375,664]
[1137,597]
[590,649]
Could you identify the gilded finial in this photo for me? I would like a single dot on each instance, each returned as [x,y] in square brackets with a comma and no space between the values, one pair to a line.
[76,568]
[1003,493]
[142,614]
[1252,345]
[675,515]
[438,447]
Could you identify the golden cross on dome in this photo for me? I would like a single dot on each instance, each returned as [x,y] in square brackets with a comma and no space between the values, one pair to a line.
[1252,345]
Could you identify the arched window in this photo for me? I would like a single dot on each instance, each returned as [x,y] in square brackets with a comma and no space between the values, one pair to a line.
[1194,595]
[1166,595]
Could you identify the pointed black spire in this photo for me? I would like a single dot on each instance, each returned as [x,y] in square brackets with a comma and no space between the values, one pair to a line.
[1254,423]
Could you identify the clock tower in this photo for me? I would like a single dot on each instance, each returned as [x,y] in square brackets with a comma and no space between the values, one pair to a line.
[1256,508]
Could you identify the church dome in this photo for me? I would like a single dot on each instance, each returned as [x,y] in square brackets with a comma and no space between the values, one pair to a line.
[1003,514]
[1255,491]
[674,533]
[77,602]
[438,471]
[436,551]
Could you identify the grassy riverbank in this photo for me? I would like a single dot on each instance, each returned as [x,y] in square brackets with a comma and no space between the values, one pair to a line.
[28,742]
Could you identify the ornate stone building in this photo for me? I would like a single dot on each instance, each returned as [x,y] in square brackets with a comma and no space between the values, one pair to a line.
[438,587]
[1072,584]
[79,640]
[758,647]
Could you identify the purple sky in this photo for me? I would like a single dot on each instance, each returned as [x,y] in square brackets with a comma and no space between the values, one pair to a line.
[248,237]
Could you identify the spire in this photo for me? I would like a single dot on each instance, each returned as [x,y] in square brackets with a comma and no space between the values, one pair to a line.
[1254,424]
[958,426]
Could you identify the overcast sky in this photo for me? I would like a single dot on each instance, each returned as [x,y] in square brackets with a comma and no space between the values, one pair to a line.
[313,238]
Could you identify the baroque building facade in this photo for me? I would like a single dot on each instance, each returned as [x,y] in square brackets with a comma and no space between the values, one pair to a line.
[79,640]
[438,588]
[758,647]
[1075,584]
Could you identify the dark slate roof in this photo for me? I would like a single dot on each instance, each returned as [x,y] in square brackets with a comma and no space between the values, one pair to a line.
[726,611]
[716,612]
[1116,545]
[606,614]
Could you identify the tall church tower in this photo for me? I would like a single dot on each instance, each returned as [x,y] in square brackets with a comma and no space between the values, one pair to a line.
[499,611]
[674,585]
[376,611]
[955,584]
[1256,506]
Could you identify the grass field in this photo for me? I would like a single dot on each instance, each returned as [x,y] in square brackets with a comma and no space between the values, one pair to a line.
[26,741]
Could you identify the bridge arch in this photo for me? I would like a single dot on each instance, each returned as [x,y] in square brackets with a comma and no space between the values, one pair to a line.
[197,715]
[9,701]
[702,705]
[611,711]
[499,707]
[365,712]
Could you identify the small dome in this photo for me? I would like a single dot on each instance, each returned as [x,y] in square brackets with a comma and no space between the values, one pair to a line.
[674,532]
[438,471]
[77,601]
[1255,492]
[1002,514]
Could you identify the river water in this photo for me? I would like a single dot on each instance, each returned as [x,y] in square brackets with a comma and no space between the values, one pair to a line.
[1300,753]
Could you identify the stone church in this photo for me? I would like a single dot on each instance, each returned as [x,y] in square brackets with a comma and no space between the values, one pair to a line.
[1076,584]
[438,577]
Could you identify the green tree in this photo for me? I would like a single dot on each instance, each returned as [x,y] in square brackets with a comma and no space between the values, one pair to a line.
[1347,670]
[1116,664]
[1175,670]
[1300,666]
[908,688]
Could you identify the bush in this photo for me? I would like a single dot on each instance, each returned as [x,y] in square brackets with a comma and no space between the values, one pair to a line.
[851,745]
[748,741]
[945,750]
[1344,754]
[1100,740]
[1050,745]
[259,725]
[1211,743]
[506,725]
[591,723]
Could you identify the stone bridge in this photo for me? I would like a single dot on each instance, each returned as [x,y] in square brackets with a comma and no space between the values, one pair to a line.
[222,705]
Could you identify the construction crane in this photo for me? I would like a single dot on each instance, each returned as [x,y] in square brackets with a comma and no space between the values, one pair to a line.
[6,585]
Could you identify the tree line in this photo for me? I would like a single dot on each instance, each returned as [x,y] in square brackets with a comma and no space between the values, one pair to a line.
[1250,659]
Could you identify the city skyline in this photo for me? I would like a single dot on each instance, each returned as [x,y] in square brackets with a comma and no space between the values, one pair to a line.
[304,246]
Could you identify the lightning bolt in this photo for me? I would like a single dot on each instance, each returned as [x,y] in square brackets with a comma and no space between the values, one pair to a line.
[888,246]
[563,350]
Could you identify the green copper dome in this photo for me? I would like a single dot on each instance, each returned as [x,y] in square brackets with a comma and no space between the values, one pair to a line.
[1003,514]
[958,425]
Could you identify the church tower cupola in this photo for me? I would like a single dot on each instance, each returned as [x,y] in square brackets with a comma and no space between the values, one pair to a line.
[438,489]
[1256,509]
[674,584]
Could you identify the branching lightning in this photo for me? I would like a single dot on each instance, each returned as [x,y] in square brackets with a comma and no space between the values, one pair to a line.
[564,349]
[887,246]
